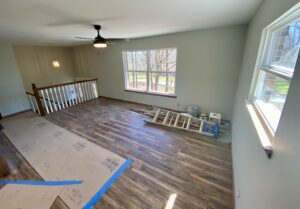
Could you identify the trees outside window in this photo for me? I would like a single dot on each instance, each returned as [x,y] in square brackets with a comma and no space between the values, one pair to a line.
[152,71]
[276,69]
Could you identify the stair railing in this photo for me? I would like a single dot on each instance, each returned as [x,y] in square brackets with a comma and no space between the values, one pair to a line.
[48,99]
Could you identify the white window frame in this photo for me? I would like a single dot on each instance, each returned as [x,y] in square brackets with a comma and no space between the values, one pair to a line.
[265,131]
[148,72]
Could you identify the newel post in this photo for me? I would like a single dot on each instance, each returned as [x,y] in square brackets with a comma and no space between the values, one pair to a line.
[38,100]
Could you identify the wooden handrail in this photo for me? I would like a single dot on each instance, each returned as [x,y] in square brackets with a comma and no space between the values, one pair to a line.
[55,97]
[29,93]
[63,84]
[38,101]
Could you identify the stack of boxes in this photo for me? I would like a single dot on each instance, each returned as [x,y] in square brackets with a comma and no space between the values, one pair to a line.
[211,123]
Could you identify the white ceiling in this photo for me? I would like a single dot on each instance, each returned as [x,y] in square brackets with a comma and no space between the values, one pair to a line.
[57,22]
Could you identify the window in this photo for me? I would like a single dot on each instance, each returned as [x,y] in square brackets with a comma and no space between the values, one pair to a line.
[150,71]
[279,54]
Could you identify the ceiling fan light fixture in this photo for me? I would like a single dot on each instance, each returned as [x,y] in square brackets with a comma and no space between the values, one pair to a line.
[100,45]
[100,42]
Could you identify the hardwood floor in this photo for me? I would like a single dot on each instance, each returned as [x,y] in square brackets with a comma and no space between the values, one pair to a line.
[198,170]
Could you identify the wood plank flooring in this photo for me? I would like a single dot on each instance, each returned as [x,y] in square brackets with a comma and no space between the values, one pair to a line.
[165,162]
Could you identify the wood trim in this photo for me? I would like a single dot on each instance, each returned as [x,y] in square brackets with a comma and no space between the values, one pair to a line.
[274,71]
[63,84]
[122,100]
[150,93]
[267,128]
[38,100]
[234,195]
[14,114]
[261,124]
[29,93]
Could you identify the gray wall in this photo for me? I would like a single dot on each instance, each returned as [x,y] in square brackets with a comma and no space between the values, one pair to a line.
[264,183]
[208,64]
[12,93]
[35,64]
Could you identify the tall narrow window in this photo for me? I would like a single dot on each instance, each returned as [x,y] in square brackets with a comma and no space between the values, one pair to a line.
[150,71]
[276,68]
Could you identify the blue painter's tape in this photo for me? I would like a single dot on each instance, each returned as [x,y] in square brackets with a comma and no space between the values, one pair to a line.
[42,183]
[103,189]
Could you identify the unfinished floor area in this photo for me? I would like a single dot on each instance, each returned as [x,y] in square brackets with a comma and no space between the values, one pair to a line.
[197,169]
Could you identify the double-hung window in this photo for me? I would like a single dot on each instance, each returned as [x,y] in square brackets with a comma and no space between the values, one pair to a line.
[150,71]
[275,68]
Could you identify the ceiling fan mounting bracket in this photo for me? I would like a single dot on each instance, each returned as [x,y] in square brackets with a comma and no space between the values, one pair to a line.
[97,27]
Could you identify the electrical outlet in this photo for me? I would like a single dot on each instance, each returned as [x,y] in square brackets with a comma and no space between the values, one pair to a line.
[178,104]
[238,194]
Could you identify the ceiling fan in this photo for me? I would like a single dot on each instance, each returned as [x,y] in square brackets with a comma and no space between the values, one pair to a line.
[99,41]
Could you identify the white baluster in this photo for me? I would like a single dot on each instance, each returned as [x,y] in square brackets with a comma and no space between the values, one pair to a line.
[70,95]
[36,105]
[44,100]
[31,102]
[83,92]
[49,101]
[65,95]
[61,97]
[53,100]
[57,98]
[96,89]
[75,99]
[90,90]
[78,92]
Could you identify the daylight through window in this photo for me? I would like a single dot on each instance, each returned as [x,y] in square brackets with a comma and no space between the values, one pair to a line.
[280,54]
[151,71]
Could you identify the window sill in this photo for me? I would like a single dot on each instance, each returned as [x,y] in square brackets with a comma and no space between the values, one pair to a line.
[261,129]
[152,93]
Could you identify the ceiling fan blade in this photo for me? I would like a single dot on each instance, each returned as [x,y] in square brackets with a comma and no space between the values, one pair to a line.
[83,43]
[78,37]
[114,40]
